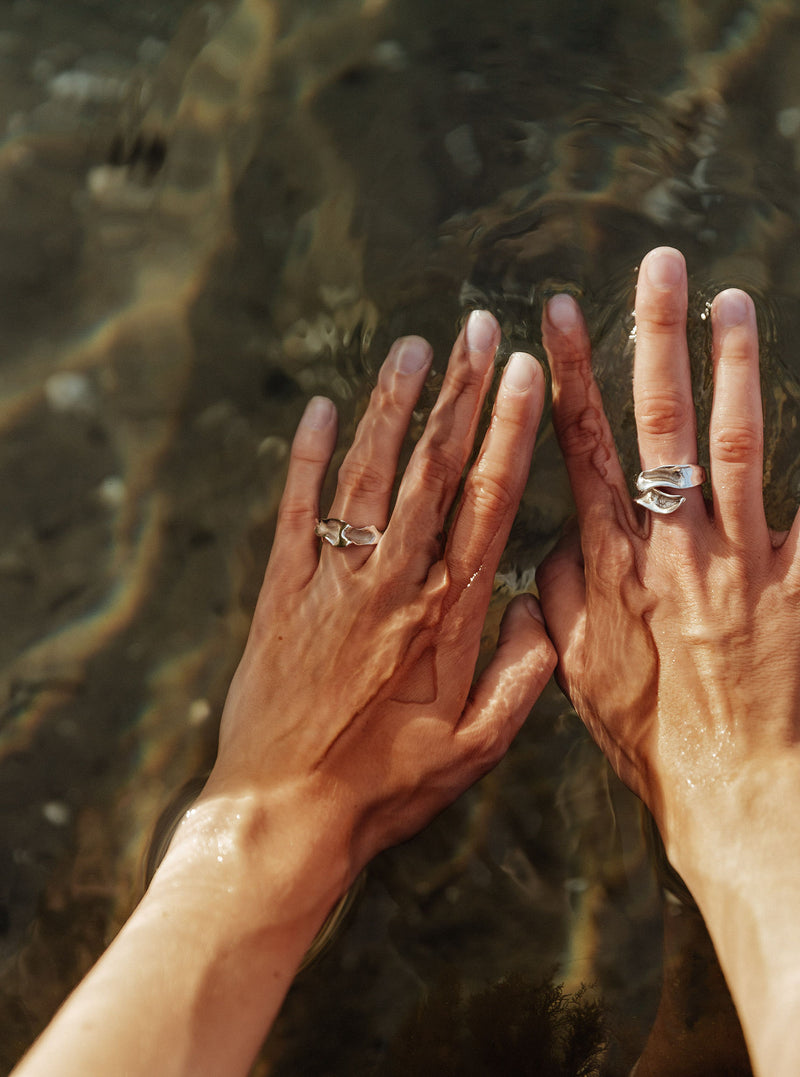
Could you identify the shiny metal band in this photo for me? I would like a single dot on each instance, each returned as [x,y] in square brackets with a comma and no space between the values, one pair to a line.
[340,533]
[672,476]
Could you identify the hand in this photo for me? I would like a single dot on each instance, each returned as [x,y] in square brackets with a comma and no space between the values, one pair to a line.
[351,720]
[678,636]
[352,716]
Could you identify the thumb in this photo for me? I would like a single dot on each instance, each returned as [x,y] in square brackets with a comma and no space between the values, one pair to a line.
[562,586]
[512,682]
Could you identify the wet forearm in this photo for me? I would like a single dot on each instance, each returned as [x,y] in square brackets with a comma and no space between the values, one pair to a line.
[743,868]
[196,977]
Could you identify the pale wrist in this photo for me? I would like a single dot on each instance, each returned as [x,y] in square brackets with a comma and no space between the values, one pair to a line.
[738,828]
[269,865]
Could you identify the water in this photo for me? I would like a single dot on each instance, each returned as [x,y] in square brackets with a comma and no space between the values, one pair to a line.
[211,211]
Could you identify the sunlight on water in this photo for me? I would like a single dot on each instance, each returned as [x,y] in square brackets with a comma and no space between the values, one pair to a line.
[212,211]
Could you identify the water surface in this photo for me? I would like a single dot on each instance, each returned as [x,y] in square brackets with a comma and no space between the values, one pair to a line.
[212,211]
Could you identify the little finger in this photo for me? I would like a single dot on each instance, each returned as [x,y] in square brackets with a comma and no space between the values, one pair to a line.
[295,549]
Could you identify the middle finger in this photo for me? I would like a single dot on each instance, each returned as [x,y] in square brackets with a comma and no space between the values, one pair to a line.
[662,385]
[438,461]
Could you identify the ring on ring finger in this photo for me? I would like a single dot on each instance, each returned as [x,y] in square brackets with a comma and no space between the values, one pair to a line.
[339,533]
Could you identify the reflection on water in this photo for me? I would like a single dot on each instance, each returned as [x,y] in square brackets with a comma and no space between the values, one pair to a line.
[212,210]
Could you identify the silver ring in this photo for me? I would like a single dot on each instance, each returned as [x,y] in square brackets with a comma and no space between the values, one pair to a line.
[339,533]
[674,477]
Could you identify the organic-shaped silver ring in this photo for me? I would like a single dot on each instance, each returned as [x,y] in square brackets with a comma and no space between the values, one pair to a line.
[339,533]
[674,477]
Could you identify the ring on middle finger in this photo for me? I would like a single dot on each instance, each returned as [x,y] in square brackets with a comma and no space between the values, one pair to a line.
[671,476]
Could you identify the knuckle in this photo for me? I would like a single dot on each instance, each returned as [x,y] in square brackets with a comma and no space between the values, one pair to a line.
[440,465]
[736,442]
[613,559]
[305,457]
[361,478]
[661,413]
[292,511]
[464,378]
[663,319]
[385,398]
[738,352]
[573,356]
[491,496]
[579,432]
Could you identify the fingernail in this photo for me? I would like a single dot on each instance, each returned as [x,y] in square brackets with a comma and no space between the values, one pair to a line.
[519,372]
[412,354]
[319,412]
[664,268]
[563,313]
[730,308]
[481,331]
[533,608]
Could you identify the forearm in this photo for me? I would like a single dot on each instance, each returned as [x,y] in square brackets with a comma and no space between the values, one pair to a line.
[743,867]
[196,977]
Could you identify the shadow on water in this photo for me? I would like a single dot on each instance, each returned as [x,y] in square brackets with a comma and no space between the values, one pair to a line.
[213,210]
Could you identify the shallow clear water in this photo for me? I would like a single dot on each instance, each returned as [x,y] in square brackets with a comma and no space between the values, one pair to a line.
[211,211]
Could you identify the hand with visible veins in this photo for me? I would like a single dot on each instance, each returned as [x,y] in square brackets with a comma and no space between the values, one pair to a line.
[385,722]
[351,721]
[679,636]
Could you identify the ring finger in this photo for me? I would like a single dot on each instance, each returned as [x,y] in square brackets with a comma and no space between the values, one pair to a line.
[366,476]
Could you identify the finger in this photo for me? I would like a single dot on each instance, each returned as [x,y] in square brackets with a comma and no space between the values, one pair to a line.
[787,550]
[438,461]
[662,385]
[737,425]
[295,549]
[366,477]
[578,417]
[495,483]
[562,592]
[509,686]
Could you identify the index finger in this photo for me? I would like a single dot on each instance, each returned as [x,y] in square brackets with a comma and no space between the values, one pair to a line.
[494,486]
[579,418]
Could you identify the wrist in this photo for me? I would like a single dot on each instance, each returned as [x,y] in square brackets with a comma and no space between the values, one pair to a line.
[735,829]
[271,866]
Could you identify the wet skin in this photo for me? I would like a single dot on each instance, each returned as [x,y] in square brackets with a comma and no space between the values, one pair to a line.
[667,627]
[351,720]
